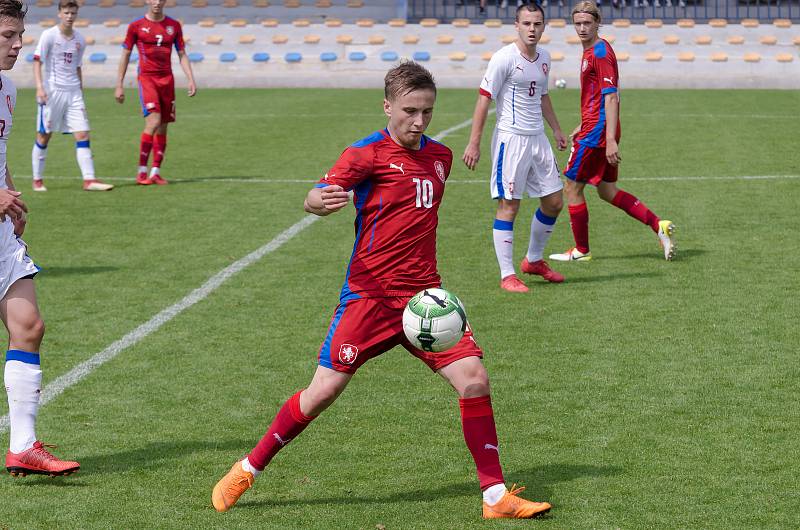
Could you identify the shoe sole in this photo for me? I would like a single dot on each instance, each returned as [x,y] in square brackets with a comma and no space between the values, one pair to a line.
[533,516]
[554,258]
[24,472]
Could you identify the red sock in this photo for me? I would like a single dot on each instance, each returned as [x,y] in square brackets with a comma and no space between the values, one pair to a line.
[579,221]
[288,423]
[477,420]
[636,209]
[146,147]
[159,146]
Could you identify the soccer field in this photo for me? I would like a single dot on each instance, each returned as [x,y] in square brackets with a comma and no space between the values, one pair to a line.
[638,394]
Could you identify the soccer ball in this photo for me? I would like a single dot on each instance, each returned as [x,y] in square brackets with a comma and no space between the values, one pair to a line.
[561,83]
[434,320]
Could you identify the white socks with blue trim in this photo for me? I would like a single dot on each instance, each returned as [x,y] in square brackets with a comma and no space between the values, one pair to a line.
[84,155]
[23,381]
[38,159]
[503,234]
[541,230]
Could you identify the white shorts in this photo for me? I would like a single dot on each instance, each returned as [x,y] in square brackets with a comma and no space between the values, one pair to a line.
[64,112]
[523,164]
[14,265]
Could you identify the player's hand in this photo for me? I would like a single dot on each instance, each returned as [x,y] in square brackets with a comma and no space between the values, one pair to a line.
[11,205]
[561,140]
[612,153]
[574,132]
[119,94]
[192,89]
[334,197]
[472,154]
[19,225]
[41,96]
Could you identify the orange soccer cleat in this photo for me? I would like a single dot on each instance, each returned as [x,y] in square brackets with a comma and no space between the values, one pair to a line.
[158,179]
[512,507]
[96,185]
[38,461]
[231,487]
[513,284]
[542,269]
[143,180]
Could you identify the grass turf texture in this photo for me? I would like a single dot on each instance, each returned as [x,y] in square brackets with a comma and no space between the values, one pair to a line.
[639,393]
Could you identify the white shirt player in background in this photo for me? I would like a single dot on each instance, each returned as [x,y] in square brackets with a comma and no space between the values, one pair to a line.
[22,374]
[60,96]
[522,159]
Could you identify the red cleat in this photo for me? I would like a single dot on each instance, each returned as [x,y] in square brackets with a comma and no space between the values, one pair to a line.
[143,180]
[157,179]
[513,284]
[542,269]
[38,461]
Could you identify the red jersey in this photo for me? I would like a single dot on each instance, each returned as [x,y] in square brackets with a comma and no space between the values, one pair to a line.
[154,41]
[599,76]
[397,192]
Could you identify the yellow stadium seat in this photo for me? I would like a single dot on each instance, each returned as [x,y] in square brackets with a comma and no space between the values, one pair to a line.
[685,23]
[445,39]
[247,39]
[686,57]
[749,22]
[270,22]
[47,23]
[653,57]
[199,3]
[718,23]
[301,23]
[703,40]
[311,39]
[508,39]
[44,3]
[238,23]
[28,41]
[573,39]
[487,56]
[493,23]
[410,39]
[333,23]
[736,40]
[213,39]
[260,3]
[672,39]
[654,23]
[621,23]
[106,3]
[557,57]
[458,56]
[477,39]
[557,23]
[782,23]
[355,3]
[82,23]
[719,57]
[545,39]
[365,23]
[323,4]
[116,41]
[461,22]
[784,57]
[230,3]
[280,39]
[291,4]
[171,3]
[429,22]
[638,39]
[796,41]
[136,4]
[207,23]
[377,40]
[768,40]
[344,39]
[397,23]
[752,57]
[623,57]
[609,38]
[90,40]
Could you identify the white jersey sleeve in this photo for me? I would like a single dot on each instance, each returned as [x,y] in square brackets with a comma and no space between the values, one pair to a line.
[44,46]
[496,74]
[81,49]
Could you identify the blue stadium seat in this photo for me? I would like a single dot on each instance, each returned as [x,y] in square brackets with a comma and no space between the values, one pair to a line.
[328,57]
[260,57]
[389,56]
[357,56]
[98,57]
[196,57]
[227,57]
[293,57]
[29,58]
[422,56]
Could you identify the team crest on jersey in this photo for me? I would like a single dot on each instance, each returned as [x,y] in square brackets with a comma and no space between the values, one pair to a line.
[348,353]
[545,68]
[439,167]
[170,30]
[584,65]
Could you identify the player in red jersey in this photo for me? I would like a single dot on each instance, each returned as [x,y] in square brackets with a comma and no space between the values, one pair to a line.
[154,35]
[397,178]
[595,154]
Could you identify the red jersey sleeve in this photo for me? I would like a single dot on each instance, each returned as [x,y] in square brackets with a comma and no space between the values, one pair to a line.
[354,165]
[180,45]
[130,36]
[606,68]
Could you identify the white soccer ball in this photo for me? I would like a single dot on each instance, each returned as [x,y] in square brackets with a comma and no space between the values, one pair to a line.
[561,83]
[434,320]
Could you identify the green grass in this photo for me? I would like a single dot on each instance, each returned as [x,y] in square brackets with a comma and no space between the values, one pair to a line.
[638,394]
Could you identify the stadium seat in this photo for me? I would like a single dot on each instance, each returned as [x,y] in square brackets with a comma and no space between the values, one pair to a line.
[136,4]
[230,4]
[44,3]
[782,23]
[238,23]
[247,39]
[357,56]
[751,57]
[685,23]
[47,23]
[207,23]
[365,22]
[200,3]
[621,23]
[227,57]
[328,57]
[429,22]
[493,23]
[323,4]
[333,23]
[735,40]
[215,40]
[411,39]
[116,41]
[458,56]
[573,39]
[397,23]
[557,23]
[508,39]
[291,4]
[171,4]
[29,58]
[686,57]
[106,3]
[477,39]
[796,41]
[461,22]
[638,39]
[749,22]
[376,40]
[293,57]
[344,39]
[718,23]
[261,4]
[487,56]
[112,23]
[768,40]
[389,56]
[28,41]
[545,39]
[90,40]
[445,39]
[260,57]
[355,3]
[653,57]
[609,38]
[421,56]
[784,57]
[556,56]
[270,23]
[82,23]
[98,57]
[719,57]
[301,23]
[653,23]
[311,39]
[672,39]
[196,57]
[280,39]
[703,40]
[623,57]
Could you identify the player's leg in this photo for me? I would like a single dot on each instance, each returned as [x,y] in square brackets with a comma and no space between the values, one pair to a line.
[159,146]
[151,122]
[166,95]
[23,379]
[83,153]
[503,236]
[39,158]
[580,170]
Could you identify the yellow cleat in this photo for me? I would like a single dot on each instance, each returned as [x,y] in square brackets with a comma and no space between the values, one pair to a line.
[512,507]
[231,487]
[666,231]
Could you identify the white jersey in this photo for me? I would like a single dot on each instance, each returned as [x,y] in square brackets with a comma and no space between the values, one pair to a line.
[61,57]
[517,86]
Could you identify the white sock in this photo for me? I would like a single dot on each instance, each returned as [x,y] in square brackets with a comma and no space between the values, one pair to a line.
[23,381]
[143,169]
[84,155]
[154,171]
[503,234]
[38,159]
[493,494]
[247,466]
[541,230]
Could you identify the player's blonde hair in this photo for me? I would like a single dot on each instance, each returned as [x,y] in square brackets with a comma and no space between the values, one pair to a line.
[407,77]
[588,7]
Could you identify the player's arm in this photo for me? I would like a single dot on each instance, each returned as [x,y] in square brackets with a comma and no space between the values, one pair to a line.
[612,115]
[79,70]
[186,66]
[124,59]
[550,115]
[12,206]
[326,200]
[472,153]
[41,95]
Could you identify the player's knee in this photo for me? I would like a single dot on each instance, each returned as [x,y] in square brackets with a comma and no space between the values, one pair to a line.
[507,209]
[81,136]
[28,334]
[316,399]
[475,382]
[607,193]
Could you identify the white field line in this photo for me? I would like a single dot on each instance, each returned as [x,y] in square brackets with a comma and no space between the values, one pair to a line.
[63,382]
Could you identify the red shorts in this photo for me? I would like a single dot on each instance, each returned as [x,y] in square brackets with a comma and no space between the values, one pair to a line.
[157,94]
[363,328]
[590,165]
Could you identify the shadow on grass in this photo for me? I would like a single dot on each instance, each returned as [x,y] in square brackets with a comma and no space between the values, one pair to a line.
[680,254]
[539,481]
[614,277]
[56,272]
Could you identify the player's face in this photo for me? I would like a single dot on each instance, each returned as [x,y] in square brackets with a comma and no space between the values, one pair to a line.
[530,27]
[409,116]
[68,16]
[585,26]
[156,6]
[11,31]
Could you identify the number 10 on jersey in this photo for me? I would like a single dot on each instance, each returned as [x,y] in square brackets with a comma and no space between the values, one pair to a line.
[424,192]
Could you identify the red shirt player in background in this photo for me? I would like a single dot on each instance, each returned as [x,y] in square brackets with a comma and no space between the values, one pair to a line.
[397,178]
[595,155]
[154,35]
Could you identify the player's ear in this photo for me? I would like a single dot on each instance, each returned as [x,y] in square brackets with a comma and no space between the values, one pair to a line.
[387,107]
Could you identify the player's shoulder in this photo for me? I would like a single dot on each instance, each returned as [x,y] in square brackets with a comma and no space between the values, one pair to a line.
[7,86]
[544,55]
[505,54]
[135,23]
[169,21]
[603,49]
[435,147]
[80,38]
[369,142]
